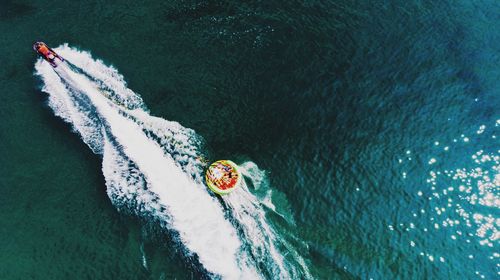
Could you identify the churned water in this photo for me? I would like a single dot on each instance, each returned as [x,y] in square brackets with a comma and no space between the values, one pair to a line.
[367,132]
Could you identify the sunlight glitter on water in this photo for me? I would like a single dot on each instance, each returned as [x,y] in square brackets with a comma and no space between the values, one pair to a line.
[460,202]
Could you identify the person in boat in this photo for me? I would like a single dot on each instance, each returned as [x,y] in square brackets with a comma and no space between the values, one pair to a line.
[42,48]
[45,51]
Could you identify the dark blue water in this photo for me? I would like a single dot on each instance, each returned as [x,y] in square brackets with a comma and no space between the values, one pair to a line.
[360,112]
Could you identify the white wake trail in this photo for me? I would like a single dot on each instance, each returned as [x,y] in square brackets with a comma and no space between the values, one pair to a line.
[248,210]
[152,169]
[197,217]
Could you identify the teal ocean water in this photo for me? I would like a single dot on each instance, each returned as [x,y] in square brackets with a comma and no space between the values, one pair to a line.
[367,131]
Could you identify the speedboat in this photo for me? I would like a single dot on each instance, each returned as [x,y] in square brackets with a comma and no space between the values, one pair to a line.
[47,53]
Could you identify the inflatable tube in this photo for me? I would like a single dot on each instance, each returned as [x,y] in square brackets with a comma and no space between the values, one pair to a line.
[223,176]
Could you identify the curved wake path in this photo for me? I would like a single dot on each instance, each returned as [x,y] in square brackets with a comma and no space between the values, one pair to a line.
[151,169]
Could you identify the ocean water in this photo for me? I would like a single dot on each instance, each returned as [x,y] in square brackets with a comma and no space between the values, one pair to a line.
[367,132]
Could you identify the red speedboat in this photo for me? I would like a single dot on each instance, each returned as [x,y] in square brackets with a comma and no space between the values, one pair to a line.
[47,53]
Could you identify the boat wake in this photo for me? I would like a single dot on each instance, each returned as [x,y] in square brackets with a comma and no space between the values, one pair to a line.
[152,169]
